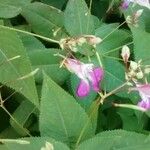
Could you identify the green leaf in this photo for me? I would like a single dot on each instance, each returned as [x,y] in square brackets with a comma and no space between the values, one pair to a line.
[34,143]
[48,63]
[125,137]
[115,139]
[46,56]
[44,19]
[130,121]
[59,75]
[137,146]
[31,43]
[22,114]
[78,20]
[8,11]
[113,41]
[16,2]
[11,8]
[114,75]
[109,51]
[61,117]
[10,71]
[96,143]
[141,45]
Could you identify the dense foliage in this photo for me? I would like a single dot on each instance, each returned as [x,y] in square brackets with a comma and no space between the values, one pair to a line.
[74,74]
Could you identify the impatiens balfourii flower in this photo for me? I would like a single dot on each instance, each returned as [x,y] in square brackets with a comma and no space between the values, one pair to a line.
[144,91]
[90,76]
[144,3]
[125,4]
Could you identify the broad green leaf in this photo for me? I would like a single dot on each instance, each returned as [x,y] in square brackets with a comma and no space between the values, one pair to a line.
[31,43]
[96,143]
[8,11]
[49,64]
[44,19]
[10,71]
[125,138]
[33,143]
[11,8]
[21,115]
[16,2]
[113,41]
[44,56]
[115,139]
[136,146]
[78,20]
[141,41]
[114,75]
[62,118]
[59,75]
[105,29]
[130,121]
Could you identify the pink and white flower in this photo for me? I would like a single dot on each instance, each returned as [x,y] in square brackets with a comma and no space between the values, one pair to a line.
[125,4]
[144,91]
[144,3]
[90,76]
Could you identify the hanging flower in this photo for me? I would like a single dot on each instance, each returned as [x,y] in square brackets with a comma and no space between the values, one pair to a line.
[89,74]
[125,4]
[144,3]
[144,91]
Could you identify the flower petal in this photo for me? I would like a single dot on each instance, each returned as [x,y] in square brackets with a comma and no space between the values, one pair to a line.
[125,4]
[83,89]
[144,104]
[95,77]
[143,89]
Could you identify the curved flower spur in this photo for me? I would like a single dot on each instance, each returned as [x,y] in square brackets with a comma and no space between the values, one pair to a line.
[90,76]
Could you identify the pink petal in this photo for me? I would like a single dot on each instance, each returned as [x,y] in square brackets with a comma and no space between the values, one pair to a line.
[145,89]
[83,89]
[125,4]
[96,77]
[73,65]
[144,104]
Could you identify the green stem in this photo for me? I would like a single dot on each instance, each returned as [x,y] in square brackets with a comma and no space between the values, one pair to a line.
[32,34]
[23,129]
[130,106]
[99,59]
[113,50]
[113,31]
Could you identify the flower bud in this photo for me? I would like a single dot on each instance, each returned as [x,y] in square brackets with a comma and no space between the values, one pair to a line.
[81,40]
[133,65]
[125,53]
[140,75]
[147,70]
[93,40]
[138,13]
